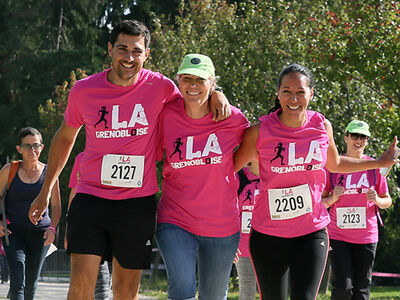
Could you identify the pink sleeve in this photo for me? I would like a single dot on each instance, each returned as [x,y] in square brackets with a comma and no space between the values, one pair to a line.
[160,138]
[242,122]
[173,90]
[73,179]
[72,115]
[328,186]
[381,186]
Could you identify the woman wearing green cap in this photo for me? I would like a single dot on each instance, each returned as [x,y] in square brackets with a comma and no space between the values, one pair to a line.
[353,200]
[197,216]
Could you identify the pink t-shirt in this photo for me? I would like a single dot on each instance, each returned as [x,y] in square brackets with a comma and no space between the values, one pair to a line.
[120,124]
[292,176]
[73,178]
[353,218]
[199,191]
[246,202]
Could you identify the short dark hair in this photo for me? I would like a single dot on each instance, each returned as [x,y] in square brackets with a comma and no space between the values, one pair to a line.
[28,131]
[130,27]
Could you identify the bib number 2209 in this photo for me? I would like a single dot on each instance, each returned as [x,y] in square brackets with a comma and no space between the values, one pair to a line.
[122,170]
[289,203]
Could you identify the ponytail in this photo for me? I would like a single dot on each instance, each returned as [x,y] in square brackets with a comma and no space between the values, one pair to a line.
[276,107]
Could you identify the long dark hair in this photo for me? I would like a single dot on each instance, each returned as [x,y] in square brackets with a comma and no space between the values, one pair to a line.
[294,68]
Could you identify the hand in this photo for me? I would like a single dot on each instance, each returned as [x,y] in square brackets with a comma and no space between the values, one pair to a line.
[220,107]
[49,237]
[38,207]
[236,259]
[337,192]
[389,157]
[2,231]
[372,196]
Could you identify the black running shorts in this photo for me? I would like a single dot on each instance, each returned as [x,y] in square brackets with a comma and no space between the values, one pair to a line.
[123,229]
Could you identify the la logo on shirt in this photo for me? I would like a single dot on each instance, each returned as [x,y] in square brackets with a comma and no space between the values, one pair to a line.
[121,128]
[193,156]
[295,163]
[354,185]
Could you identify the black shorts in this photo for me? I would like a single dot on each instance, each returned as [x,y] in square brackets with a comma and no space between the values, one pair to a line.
[123,229]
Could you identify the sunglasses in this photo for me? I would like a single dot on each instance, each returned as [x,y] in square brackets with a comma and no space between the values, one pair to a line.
[356,136]
[35,146]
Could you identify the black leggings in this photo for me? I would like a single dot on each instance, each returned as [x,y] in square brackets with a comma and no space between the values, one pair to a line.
[351,269]
[304,256]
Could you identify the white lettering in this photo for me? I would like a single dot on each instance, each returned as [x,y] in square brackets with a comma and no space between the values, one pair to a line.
[350,185]
[115,119]
[138,116]
[314,152]
[283,170]
[292,155]
[212,145]
[189,149]
[197,162]
[108,134]
[363,181]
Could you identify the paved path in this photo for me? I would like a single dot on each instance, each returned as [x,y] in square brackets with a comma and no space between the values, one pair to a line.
[52,291]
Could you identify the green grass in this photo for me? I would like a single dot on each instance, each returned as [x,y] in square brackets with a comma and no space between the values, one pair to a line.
[159,287]
[56,275]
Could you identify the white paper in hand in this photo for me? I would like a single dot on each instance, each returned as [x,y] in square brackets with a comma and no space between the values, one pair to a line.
[52,248]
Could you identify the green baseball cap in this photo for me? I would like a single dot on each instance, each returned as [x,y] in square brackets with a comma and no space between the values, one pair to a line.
[198,65]
[357,126]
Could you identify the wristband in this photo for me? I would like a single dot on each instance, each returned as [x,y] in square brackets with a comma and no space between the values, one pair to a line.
[52,229]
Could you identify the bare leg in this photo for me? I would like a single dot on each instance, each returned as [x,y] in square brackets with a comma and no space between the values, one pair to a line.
[125,282]
[84,270]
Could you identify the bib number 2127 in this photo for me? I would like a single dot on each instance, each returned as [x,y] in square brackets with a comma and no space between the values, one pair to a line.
[122,170]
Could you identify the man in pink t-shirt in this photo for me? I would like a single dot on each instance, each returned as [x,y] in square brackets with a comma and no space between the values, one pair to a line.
[353,200]
[119,108]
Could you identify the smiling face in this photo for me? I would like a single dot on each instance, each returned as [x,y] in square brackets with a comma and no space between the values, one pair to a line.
[128,56]
[294,94]
[195,89]
[355,144]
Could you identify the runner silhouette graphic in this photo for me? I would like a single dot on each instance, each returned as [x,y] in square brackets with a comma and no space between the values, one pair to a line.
[102,113]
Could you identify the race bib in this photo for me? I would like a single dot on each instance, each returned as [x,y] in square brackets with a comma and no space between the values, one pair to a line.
[351,217]
[289,203]
[246,221]
[122,170]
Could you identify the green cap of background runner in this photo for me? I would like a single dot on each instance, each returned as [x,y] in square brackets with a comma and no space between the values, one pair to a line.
[357,126]
[198,65]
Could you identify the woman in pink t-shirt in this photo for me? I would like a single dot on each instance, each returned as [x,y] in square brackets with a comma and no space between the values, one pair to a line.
[354,200]
[288,226]
[198,217]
